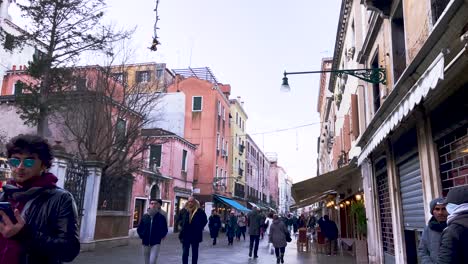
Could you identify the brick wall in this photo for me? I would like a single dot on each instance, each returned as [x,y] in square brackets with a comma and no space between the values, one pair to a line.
[453,159]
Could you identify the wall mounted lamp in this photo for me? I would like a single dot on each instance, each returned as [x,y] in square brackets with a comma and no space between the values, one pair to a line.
[375,75]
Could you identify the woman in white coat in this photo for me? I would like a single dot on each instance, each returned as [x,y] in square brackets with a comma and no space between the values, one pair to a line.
[268,222]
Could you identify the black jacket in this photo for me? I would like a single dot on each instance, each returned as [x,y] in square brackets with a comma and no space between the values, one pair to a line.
[214,224]
[454,241]
[330,230]
[152,229]
[192,231]
[50,235]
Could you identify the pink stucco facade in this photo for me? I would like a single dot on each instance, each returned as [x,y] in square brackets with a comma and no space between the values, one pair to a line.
[207,128]
[169,181]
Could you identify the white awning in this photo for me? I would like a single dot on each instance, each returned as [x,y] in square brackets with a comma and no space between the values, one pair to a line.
[428,81]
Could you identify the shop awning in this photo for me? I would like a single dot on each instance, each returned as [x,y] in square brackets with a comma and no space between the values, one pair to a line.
[316,189]
[427,82]
[232,203]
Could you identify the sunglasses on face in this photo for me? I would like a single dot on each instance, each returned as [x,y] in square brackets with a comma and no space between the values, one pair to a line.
[27,163]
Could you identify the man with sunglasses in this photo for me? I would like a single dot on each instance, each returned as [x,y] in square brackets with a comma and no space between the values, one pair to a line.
[44,226]
[152,229]
[429,245]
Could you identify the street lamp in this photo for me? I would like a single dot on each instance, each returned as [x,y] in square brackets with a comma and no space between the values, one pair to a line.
[374,75]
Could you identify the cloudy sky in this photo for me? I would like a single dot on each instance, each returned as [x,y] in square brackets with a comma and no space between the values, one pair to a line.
[248,44]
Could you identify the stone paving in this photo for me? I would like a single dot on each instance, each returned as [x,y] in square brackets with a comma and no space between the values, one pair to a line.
[171,252]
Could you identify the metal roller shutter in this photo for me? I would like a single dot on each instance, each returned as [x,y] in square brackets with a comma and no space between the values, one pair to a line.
[411,193]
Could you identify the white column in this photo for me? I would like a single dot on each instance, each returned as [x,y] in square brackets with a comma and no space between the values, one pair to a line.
[59,167]
[88,221]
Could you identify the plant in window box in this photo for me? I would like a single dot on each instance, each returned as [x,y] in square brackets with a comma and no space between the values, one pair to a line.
[358,212]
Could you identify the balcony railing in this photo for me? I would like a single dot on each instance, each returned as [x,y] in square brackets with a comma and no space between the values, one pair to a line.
[241,172]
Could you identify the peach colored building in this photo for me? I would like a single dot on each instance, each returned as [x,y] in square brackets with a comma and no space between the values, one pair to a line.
[206,126]
[167,174]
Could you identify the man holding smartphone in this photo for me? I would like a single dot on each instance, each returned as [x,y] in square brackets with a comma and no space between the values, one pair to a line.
[43,225]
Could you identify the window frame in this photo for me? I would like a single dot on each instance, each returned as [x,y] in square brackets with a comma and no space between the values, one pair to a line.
[160,157]
[201,103]
[184,160]
[139,76]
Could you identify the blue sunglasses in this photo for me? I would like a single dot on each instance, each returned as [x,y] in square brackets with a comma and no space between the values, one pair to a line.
[27,163]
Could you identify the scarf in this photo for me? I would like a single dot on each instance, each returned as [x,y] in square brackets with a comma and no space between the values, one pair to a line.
[436,225]
[192,210]
[18,195]
[459,210]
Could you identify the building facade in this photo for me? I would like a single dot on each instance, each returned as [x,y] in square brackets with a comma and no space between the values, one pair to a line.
[207,127]
[237,157]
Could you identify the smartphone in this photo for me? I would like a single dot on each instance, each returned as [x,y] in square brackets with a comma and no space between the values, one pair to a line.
[6,208]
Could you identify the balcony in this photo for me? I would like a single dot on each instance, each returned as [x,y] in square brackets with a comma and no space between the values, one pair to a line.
[241,149]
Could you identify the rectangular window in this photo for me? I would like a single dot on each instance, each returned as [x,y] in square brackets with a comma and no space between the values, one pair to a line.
[438,7]
[219,108]
[376,87]
[184,160]
[120,77]
[155,156]
[218,137]
[398,42]
[9,42]
[224,113]
[159,73]
[80,84]
[120,130]
[237,118]
[197,104]
[143,76]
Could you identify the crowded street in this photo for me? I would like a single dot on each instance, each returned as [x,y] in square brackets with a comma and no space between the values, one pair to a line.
[171,252]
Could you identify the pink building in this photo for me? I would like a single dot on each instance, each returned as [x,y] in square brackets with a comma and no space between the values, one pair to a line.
[167,174]
[206,126]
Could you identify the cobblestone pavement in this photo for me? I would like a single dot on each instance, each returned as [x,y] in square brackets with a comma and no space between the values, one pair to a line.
[171,252]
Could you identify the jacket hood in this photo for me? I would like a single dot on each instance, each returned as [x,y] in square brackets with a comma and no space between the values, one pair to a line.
[461,219]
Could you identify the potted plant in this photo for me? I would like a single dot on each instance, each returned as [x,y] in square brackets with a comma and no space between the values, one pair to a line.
[358,211]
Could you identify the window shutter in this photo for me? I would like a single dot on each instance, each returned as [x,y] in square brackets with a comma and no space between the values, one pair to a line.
[355,115]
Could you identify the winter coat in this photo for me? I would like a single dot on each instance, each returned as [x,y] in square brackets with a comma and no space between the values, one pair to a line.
[214,224]
[254,222]
[277,235]
[330,230]
[50,235]
[428,249]
[152,229]
[454,241]
[231,226]
[192,231]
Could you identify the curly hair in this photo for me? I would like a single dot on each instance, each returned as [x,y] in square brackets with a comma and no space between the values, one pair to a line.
[31,144]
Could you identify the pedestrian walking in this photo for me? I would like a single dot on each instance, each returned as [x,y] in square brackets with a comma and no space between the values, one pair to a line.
[214,224]
[38,219]
[289,222]
[278,237]
[231,227]
[262,226]
[192,224]
[152,229]
[330,231]
[254,222]
[454,240]
[242,223]
[295,226]
[428,249]
[267,225]
[302,222]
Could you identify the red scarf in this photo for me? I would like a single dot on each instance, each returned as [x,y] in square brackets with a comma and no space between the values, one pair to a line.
[10,249]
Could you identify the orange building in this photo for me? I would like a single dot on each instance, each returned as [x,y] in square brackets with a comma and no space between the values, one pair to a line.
[207,127]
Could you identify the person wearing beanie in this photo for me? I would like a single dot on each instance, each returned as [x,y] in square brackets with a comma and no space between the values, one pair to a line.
[152,229]
[428,249]
[454,240]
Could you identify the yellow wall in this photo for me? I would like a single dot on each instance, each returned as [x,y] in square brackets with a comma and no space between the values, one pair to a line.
[236,108]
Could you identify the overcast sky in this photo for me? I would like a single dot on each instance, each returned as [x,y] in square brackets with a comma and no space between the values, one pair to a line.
[247,44]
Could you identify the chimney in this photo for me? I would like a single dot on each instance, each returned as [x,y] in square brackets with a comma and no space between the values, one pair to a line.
[5,4]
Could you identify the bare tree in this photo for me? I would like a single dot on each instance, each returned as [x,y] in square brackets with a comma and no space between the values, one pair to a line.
[61,30]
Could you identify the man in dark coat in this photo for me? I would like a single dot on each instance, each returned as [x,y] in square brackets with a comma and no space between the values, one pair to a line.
[214,224]
[454,240]
[44,227]
[231,227]
[193,222]
[152,229]
[428,249]
[330,231]
[254,223]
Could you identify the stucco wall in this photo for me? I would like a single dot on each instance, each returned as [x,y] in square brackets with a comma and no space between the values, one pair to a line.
[169,113]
